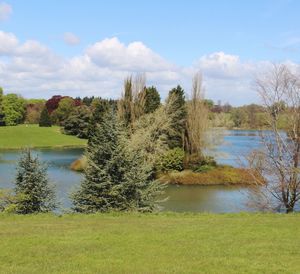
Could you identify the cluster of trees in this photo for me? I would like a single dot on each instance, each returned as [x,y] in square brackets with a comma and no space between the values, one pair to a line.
[251,116]
[76,115]
[128,142]
[14,109]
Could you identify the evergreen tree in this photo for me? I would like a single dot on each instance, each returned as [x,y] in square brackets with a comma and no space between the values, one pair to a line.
[45,120]
[152,99]
[99,108]
[32,186]
[176,100]
[96,192]
[87,100]
[115,177]
[2,121]
[140,188]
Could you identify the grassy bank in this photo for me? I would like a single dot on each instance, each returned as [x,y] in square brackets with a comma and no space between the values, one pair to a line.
[163,243]
[222,175]
[34,136]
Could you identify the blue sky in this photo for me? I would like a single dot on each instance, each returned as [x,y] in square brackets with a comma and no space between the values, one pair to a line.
[219,38]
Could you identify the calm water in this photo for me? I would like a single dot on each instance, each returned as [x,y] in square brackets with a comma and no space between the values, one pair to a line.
[180,198]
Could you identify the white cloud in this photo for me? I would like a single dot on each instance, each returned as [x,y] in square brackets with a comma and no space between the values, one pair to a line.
[34,70]
[71,39]
[8,43]
[5,11]
[134,57]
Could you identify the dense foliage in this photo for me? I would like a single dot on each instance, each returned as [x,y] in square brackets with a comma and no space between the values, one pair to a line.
[45,120]
[14,109]
[152,99]
[172,159]
[78,122]
[116,178]
[177,98]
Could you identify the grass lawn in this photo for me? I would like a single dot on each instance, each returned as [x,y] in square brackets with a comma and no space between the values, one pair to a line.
[34,136]
[162,243]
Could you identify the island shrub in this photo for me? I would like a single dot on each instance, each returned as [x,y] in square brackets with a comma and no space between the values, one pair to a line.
[199,163]
[172,159]
[223,175]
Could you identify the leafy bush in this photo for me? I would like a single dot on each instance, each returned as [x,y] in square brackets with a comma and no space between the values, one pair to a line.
[172,160]
[209,161]
[9,200]
[204,168]
[200,164]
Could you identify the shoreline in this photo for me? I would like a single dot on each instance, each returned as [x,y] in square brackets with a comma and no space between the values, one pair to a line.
[42,147]
[222,176]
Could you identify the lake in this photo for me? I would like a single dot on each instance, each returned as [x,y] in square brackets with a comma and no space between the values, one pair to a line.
[180,198]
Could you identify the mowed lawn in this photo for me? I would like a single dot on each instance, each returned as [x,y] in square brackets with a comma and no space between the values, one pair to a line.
[158,243]
[13,137]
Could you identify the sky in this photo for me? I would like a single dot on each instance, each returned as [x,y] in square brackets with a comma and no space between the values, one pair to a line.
[84,48]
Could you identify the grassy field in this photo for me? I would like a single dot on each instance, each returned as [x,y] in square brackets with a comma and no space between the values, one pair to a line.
[162,243]
[35,136]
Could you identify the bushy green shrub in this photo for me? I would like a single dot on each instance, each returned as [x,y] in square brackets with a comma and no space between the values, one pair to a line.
[172,160]
[9,201]
[203,168]
[200,164]
[209,161]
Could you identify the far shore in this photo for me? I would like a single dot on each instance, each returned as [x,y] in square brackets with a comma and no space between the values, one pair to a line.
[33,136]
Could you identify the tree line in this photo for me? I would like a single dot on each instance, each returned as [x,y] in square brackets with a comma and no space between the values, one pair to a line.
[69,112]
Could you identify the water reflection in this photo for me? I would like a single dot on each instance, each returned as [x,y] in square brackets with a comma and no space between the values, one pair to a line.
[181,198]
[205,199]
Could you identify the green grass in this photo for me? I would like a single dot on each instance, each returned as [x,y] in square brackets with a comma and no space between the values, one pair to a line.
[162,243]
[34,136]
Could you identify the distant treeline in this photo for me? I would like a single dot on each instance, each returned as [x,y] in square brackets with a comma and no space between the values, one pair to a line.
[74,114]
[251,116]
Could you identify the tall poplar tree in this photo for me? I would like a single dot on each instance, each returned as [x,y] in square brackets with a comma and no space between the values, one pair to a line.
[179,114]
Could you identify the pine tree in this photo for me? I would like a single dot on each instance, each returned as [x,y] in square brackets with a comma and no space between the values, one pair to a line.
[140,188]
[45,120]
[115,178]
[96,192]
[179,114]
[152,99]
[32,186]
[99,108]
